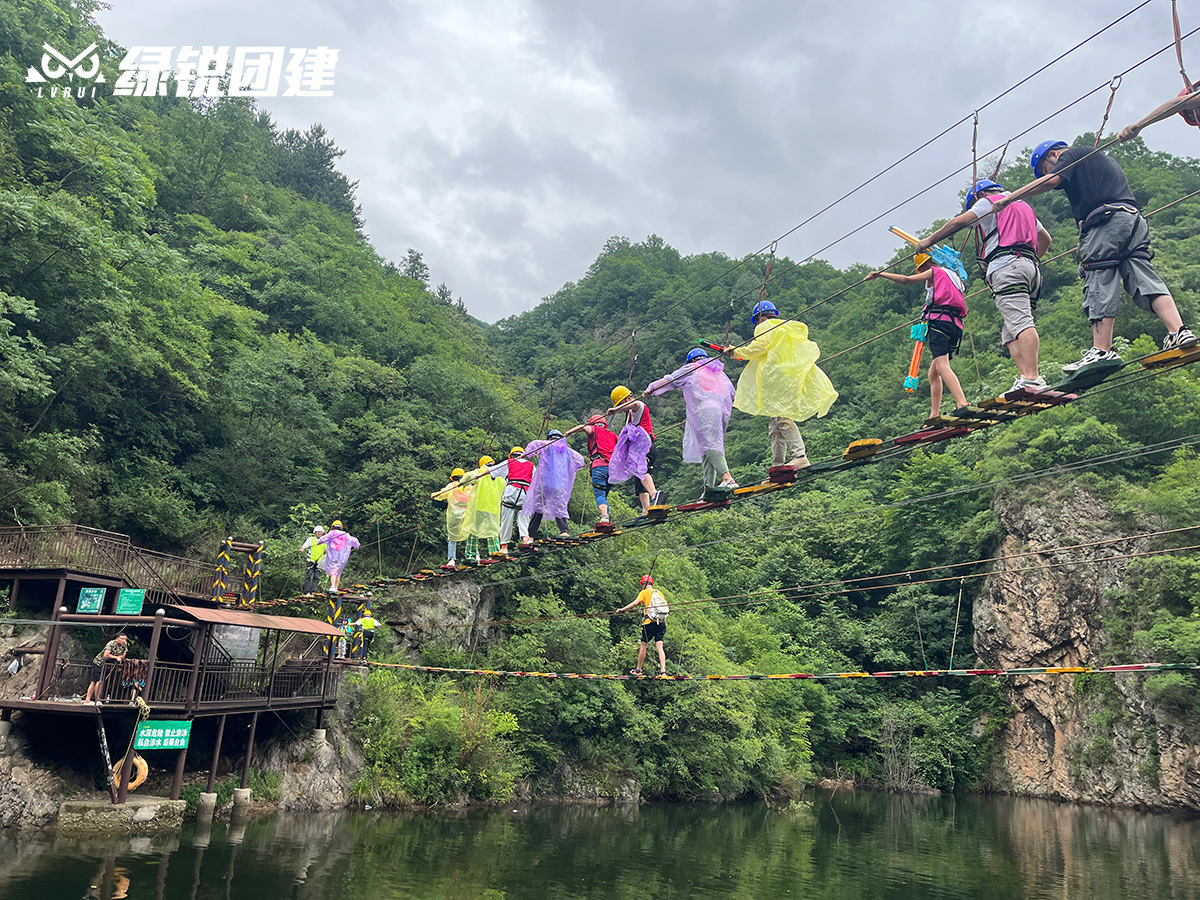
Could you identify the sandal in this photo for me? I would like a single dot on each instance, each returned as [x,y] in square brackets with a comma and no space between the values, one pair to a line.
[638,672]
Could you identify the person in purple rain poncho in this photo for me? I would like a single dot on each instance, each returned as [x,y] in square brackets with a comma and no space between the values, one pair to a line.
[338,546]
[553,479]
[708,393]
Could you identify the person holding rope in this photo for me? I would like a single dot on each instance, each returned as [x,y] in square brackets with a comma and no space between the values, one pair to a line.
[783,381]
[708,394]
[483,510]
[1114,243]
[518,471]
[654,624]
[1009,244]
[315,566]
[638,414]
[337,553]
[553,481]
[1185,104]
[601,443]
[457,497]
[944,312]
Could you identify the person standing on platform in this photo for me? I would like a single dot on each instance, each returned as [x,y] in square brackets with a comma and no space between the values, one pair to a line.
[782,381]
[1114,244]
[518,472]
[314,567]
[366,623]
[338,546]
[637,413]
[457,497]
[654,624]
[708,394]
[944,311]
[600,445]
[116,649]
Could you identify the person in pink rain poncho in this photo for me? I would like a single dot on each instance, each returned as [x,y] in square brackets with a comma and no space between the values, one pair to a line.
[708,393]
[553,479]
[338,545]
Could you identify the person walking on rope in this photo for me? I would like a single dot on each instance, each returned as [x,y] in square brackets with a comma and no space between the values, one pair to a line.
[553,481]
[944,311]
[518,471]
[1010,243]
[600,445]
[338,546]
[708,395]
[782,381]
[1114,243]
[483,510]
[654,624]
[457,497]
[314,567]
[637,413]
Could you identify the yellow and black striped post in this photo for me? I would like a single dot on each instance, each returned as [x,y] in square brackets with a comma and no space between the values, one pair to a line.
[332,614]
[356,644]
[254,561]
[223,560]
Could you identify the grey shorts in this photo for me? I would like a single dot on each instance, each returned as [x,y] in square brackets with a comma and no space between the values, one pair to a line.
[1013,286]
[1102,287]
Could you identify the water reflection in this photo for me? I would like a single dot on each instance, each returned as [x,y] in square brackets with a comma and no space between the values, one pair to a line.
[843,845]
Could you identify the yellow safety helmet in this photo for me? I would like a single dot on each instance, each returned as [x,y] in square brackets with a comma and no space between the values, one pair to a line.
[515,451]
[337,523]
[920,259]
[619,394]
[458,473]
[486,461]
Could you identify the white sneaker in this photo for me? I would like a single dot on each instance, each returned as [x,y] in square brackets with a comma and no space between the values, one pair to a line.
[1094,355]
[1180,340]
[1036,385]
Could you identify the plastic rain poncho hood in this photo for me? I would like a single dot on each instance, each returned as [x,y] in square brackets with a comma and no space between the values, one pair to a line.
[782,378]
[629,456]
[483,507]
[553,479]
[708,393]
[338,545]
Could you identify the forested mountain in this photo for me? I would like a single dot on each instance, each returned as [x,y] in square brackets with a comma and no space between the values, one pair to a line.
[199,340]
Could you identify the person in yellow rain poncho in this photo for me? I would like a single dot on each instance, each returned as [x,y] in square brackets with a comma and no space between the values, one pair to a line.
[483,510]
[457,497]
[782,381]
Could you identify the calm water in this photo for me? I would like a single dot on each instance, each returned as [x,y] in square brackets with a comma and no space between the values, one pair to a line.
[841,846]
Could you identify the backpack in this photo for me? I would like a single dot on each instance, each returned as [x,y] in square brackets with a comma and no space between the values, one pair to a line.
[658,609]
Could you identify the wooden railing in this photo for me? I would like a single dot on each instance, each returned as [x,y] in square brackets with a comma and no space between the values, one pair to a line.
[105,553]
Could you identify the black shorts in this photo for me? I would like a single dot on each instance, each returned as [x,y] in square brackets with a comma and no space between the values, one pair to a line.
[650,458]
[96,673]
[943,339]
[655,631]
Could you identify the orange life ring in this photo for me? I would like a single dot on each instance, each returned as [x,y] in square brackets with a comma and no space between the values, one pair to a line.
[140,770]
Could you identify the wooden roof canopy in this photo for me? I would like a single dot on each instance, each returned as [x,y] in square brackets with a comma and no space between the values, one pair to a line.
[256,620]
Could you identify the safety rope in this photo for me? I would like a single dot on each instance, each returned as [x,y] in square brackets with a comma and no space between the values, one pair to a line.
[954,639]
[1113,86]
[794,676]
[632,356]
[1187,83]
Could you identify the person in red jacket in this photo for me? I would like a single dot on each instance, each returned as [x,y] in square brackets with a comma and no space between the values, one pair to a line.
[600,445]
[519,472]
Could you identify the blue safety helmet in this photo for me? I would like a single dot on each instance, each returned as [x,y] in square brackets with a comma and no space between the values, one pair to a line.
[1041,150]
[763,308]
[554,433]
[696,354]
[986,185]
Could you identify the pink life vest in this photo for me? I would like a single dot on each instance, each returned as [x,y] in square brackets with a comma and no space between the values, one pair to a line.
[947,303]
[1015,227]
[520,472]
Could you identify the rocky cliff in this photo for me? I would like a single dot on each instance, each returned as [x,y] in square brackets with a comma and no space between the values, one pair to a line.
[1091,738]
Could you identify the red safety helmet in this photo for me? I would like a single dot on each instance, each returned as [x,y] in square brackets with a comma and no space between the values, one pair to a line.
[1189,115]
[598,420]
[647,579]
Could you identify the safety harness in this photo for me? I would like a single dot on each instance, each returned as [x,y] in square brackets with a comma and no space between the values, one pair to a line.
[1103,214]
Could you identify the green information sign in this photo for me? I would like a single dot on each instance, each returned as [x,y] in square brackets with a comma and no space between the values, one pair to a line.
[90,600]
[129,601]
[163,736]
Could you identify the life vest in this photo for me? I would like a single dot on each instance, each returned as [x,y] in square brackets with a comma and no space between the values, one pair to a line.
[600,444]
[316,552]
[644,421]
[1015,230]
[945,301]
[520,472]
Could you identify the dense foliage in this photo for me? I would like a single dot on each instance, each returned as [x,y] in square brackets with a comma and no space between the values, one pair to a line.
[199,340]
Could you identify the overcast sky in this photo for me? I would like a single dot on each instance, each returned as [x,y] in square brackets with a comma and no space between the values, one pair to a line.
[508,139]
